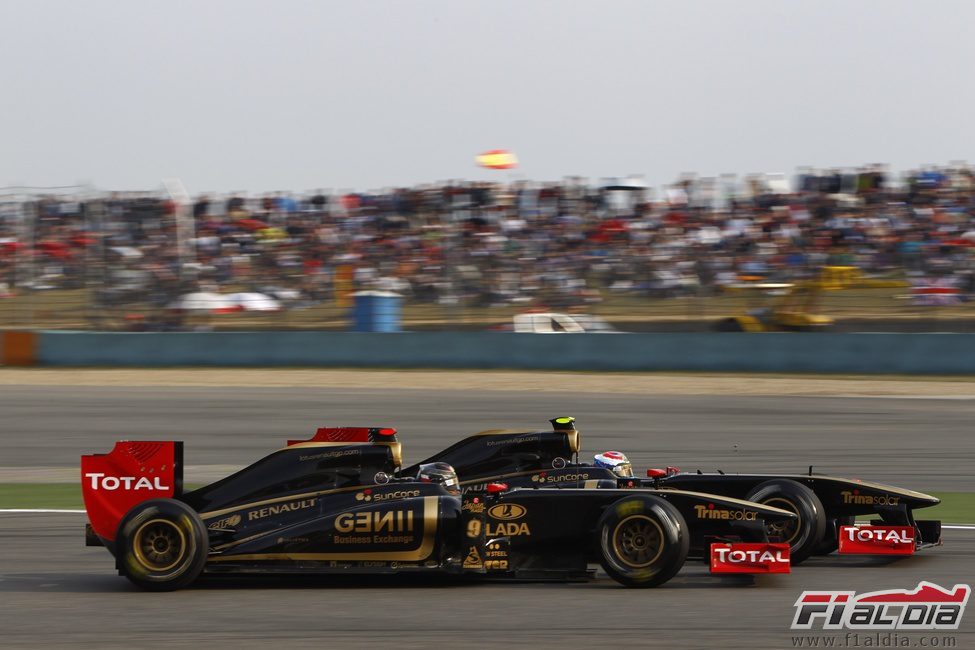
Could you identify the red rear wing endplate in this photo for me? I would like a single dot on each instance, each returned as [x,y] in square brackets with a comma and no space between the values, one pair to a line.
[131,473]
[350,435]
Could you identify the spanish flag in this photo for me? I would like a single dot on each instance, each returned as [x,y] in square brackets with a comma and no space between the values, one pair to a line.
[497,159]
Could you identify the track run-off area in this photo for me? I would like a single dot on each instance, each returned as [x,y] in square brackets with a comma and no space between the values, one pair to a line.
[55,592]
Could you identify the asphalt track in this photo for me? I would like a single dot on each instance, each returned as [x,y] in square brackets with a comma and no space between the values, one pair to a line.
[54,592]
[925,444]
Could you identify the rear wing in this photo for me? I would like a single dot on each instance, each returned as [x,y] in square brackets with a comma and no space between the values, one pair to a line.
[350,435]
[131,473]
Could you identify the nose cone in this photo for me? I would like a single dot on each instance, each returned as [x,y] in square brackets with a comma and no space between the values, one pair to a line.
[910,497]
[921,500]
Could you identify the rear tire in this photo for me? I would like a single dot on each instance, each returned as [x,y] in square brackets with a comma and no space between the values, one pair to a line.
[805,535]
[161,545]
[642,541]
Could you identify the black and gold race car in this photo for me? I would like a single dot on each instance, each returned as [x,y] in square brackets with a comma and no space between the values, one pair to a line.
[340,503]
[825,506]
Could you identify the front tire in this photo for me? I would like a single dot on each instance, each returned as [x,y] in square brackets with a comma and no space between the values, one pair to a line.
[161,545]
[831,540]
[803,536]
[642,541]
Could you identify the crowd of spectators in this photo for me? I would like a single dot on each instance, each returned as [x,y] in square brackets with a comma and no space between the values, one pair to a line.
[481,244]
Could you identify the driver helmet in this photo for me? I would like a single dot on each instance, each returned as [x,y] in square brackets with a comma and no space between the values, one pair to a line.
[443,473]
[616,462]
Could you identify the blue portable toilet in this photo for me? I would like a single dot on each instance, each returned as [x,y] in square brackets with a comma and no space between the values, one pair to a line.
[376,311]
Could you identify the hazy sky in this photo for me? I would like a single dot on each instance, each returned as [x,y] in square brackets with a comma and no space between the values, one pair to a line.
[244,95]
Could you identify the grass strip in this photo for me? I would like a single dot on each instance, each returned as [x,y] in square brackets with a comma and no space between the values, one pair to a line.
[65,496]
[955,507]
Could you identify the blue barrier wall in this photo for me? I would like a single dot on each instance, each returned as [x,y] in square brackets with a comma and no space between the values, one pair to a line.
[716,352]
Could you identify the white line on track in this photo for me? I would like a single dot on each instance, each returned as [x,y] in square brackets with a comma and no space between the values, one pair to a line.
[943,526]
[948,526]
[33,510]
[868,396]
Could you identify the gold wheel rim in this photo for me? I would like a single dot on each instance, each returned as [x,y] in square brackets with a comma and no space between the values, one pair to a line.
[638,541]
[159,544]
[787,530]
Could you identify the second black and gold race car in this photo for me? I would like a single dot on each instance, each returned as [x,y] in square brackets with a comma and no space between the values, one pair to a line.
[826,507]
[340,503]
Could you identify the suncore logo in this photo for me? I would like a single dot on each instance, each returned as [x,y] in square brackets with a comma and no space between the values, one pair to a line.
[928,607]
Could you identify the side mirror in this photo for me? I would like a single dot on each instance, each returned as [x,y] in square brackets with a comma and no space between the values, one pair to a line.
[496,488]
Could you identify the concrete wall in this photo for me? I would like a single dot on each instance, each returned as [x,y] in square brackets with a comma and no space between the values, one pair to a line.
[827,352]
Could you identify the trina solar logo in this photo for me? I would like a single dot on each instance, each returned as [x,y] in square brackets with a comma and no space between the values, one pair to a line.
[927,607]
[866,499]
[711,512]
